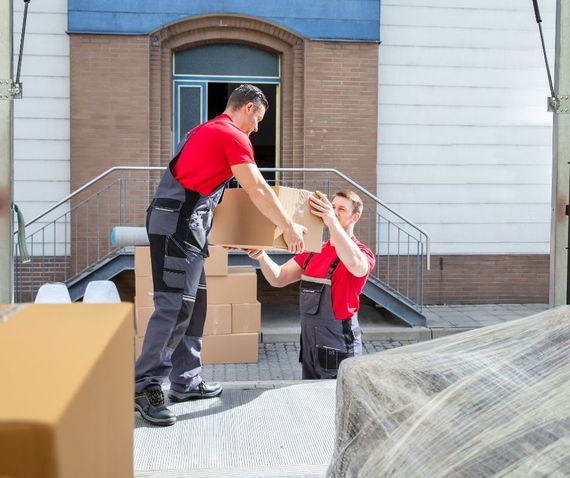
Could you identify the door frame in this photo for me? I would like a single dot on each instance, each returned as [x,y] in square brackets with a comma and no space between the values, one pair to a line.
[201,81]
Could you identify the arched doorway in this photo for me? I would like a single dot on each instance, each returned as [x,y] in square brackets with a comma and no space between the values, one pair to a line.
[203,77]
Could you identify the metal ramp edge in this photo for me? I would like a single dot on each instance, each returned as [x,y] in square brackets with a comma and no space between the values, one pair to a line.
[374,290]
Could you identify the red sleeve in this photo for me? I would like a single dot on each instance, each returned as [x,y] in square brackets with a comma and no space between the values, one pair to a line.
[301,258]
[238,149]
[369,256]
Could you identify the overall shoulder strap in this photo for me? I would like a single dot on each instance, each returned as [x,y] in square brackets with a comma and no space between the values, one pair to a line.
[307,260]
[332,267]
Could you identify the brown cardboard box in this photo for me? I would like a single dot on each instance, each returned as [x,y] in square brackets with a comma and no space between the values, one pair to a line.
[144,292]
[66,426]
[142,316]
[238,223]
[217,263]
[244,268]
[239,286]
[218,319]
[235,288]
[142,261]
[246,318]
[232,348]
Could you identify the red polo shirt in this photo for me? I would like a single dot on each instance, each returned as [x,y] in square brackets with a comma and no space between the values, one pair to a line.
[212,148]
[346,287]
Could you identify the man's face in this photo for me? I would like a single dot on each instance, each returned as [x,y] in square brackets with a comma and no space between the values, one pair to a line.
[252,117]
[343,211]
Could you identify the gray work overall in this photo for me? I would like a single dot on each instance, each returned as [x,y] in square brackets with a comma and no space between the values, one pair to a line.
[325,341]
[178,225]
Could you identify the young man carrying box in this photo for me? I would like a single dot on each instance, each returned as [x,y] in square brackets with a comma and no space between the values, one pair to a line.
[331,282]
[179,220]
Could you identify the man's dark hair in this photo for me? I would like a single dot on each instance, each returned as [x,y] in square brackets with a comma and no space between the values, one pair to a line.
[245,94]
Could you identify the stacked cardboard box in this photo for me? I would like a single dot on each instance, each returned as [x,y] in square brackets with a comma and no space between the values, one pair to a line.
[144,305]
[234,314]
[233,321]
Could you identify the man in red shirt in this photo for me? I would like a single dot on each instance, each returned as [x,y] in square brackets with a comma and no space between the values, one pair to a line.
[178,223]
[331,282]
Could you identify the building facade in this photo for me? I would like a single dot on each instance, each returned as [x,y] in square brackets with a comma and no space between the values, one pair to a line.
[436,108]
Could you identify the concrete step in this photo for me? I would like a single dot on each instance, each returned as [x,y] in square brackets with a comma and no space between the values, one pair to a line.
[280,323]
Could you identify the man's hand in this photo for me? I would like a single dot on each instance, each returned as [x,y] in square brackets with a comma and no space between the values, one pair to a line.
[255,254]
[322,207]
[293,237]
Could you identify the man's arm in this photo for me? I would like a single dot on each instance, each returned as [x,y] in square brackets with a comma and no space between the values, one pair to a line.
[276,275]
[348,252]
[251,180]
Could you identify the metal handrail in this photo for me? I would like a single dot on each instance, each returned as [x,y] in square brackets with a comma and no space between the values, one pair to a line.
[90,183]
[284,170]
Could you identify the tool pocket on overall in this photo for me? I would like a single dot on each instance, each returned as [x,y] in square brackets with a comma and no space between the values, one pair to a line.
[330,348]
[163,217]
[330,358]
[310,297]
[174,272]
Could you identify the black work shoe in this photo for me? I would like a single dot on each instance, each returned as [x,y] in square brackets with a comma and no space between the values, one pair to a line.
[150,404]
[203,390]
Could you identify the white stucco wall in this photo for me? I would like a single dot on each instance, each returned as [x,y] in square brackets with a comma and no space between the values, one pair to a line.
[464,138]
[41,118]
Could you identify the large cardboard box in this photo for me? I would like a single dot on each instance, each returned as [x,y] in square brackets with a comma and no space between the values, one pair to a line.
[218,319]
[239,286]
[142,261]
[238,223]
[59,366]
[232,348]
[217,263]
[246,318]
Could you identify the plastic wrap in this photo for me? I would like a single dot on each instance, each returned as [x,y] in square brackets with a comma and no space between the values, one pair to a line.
[489,402]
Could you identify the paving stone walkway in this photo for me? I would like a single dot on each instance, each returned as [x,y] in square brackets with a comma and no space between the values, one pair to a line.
[279,360]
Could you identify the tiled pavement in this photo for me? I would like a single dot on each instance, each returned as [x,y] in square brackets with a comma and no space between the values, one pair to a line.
[278,361]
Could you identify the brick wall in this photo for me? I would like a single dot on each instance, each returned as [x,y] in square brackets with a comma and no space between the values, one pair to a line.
[341,88]
[491,279]
[109,77]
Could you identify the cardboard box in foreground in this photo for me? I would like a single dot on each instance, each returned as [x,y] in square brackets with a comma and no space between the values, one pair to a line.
[59,363]
[238,223]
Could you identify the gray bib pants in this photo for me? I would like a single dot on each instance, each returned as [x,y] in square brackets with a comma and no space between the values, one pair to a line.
[178,225]
[325,341]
